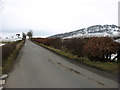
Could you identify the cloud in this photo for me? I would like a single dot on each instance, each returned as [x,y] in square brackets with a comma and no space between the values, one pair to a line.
[56,16]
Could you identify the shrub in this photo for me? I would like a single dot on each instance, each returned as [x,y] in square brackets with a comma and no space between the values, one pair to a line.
[100,48]
[74,46]
[57,43]
[7,49]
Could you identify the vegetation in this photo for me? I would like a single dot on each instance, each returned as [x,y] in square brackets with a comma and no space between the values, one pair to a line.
[100,48]
[96,48]
[86,51]
[6,42]
[7,50]
[9,53]
[30,34]
[74,46]
[23,36]
[105,66]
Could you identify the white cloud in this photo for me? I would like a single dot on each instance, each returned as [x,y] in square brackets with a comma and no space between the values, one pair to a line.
[56,16]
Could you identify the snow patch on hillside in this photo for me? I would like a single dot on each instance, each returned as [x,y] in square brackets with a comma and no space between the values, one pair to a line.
[93,31]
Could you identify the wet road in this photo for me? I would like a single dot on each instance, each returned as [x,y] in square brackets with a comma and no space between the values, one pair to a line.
[37,67]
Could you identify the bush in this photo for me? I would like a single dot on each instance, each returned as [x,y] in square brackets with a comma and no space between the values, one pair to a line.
[48,41]
[100,48]
[74,46]
[7,49]
[57,43]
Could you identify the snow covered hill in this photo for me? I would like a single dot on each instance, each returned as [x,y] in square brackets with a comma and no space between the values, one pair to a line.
[92,31]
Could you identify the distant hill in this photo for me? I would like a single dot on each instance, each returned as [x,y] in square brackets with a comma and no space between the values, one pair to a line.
[96,30]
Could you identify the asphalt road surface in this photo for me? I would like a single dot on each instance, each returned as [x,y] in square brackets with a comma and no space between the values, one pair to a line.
[37,67]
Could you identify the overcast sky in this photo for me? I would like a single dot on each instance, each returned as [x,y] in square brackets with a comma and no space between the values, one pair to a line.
[48,17]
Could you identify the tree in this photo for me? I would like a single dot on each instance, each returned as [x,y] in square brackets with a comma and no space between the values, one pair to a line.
[30,34]
[18,35]
[100,48]
[23,36]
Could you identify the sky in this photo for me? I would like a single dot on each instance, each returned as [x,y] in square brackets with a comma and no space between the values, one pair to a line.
[49,17]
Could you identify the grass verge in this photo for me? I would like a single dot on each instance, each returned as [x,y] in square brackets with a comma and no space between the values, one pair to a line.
[104,66]
[10,60]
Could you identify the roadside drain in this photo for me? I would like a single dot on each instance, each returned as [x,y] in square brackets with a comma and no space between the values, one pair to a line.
[3,80]
[75,71]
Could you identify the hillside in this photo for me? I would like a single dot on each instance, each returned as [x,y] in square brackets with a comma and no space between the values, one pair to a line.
[96,30]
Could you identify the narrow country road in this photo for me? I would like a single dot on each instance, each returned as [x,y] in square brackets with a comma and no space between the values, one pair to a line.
[37,67]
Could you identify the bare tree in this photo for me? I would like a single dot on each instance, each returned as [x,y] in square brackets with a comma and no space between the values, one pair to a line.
[23,36]
[30,34]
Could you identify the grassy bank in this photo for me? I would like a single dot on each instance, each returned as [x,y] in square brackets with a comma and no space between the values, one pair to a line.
[105,66]
[8,63]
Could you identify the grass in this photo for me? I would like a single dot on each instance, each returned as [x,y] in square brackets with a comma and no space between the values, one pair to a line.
[10,60]
[7,41]
[104,66]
